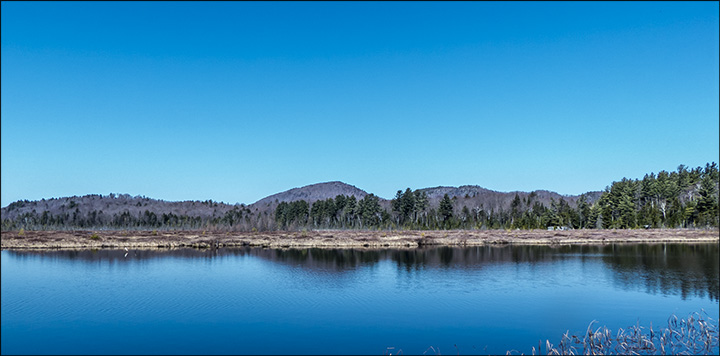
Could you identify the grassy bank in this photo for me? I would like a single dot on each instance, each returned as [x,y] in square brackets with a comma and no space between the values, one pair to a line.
[341,238]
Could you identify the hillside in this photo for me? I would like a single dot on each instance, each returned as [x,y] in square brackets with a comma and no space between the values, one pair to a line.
[310,193]
[95,209]
[685,198]
[467,195]
[476,196]
[138,211]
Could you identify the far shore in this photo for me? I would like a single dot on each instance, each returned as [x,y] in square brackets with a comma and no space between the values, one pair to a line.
[115,239]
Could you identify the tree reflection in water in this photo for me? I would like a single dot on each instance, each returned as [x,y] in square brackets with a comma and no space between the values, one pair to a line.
[669,269]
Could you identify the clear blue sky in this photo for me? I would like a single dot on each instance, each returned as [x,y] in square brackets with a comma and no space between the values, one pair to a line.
[234,101]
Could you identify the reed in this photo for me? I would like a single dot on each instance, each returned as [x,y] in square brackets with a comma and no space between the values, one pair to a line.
[695,335]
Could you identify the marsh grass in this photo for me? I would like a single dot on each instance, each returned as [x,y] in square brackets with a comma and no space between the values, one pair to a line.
[696,335]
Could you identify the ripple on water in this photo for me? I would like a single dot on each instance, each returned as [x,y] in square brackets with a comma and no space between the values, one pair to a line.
[347,300]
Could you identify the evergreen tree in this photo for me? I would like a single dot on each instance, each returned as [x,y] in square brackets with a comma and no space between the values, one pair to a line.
[421,205]
[370,211]
[515,210]
[583,212]
[445,209]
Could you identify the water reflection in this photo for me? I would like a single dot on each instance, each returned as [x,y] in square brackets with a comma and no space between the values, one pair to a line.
[669,269]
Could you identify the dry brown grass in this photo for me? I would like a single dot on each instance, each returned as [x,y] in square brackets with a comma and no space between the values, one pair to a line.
[696,335]
[343,238]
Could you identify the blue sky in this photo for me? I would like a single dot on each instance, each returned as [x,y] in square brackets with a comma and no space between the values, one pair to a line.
[234,101]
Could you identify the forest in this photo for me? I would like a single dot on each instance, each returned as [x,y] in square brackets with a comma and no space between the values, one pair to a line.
[685,198]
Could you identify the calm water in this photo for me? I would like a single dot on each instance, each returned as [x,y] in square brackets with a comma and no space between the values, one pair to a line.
[314,301]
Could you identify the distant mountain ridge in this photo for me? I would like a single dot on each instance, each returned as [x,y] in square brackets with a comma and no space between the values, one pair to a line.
[684,198]
[108,205]
[473,195]
[115,204]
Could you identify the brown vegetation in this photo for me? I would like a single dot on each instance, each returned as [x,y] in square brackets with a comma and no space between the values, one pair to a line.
[696,335]
[341,238]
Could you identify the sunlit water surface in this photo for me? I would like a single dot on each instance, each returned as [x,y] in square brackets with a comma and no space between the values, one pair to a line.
[474,300]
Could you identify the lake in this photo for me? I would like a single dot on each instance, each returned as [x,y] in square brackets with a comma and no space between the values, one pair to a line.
[477,300]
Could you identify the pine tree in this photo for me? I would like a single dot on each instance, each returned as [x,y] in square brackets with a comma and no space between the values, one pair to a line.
[445,210]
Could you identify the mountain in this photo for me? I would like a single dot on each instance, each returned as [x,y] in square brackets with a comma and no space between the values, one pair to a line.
[310,193]
[476,196]
[110,207]
[686,198]
[115,204]
[105,208]
[125,210]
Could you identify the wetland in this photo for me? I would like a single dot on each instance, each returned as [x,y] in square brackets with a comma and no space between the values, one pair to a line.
[484,299]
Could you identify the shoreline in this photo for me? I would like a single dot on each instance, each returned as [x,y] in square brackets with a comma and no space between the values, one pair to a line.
[118,239]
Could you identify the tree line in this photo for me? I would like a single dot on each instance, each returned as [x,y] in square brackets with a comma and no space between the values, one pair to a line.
[343,212]
[235,219]
[682,198]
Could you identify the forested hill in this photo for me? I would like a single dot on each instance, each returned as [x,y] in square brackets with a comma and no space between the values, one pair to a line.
[473,195]
[310,193]
[117,210]
[683,198]
[123,210]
